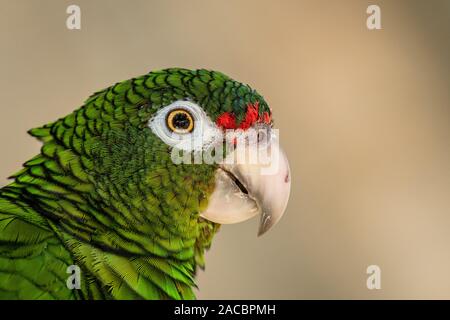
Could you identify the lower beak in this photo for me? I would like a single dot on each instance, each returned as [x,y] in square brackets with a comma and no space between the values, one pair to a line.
[251,180]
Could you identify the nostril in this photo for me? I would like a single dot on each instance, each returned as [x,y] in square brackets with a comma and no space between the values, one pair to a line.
[287,177]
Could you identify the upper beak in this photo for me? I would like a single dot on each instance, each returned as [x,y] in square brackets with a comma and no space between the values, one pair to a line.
[250,181]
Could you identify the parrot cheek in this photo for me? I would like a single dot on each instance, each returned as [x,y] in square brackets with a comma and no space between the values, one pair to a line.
[248,188]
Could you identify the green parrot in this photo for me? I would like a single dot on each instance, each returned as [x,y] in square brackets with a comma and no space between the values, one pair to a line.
[107,211]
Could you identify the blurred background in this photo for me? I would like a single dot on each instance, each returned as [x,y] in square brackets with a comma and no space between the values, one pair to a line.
[364,116]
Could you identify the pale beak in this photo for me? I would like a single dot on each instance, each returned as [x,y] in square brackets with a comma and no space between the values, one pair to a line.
[251,181]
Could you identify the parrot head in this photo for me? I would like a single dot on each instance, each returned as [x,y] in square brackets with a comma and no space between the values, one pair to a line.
[131,164]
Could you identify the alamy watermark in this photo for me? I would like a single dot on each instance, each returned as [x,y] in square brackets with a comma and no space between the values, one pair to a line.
[74,280]
[253,146]
[374,279]
[73,21]
[373,21]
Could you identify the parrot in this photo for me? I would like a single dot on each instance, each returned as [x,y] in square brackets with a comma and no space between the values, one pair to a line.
[104,212]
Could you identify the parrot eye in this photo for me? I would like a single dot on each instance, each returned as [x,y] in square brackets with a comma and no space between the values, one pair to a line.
[184,125]
[180,121]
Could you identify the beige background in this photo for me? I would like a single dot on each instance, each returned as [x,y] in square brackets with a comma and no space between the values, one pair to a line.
[364,116]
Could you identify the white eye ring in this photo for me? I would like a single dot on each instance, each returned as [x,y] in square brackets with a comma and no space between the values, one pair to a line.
[203,133]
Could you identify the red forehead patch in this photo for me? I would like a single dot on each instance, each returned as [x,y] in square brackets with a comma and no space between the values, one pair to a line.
[227,120]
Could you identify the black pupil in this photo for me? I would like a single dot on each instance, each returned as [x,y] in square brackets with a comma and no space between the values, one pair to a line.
[181,121]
